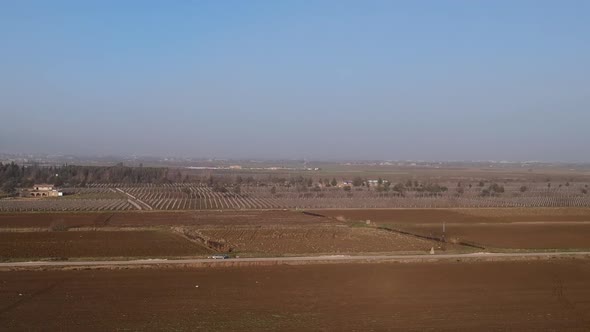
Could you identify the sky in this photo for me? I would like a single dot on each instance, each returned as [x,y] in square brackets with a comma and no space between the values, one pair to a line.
[324,80]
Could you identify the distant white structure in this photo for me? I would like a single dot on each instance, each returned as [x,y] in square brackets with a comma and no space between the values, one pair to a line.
[374,183]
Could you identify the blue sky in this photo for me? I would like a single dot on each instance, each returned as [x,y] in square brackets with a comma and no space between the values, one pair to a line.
[425,80]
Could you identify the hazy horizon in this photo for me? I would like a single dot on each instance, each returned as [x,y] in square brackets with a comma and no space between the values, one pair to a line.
[325,80]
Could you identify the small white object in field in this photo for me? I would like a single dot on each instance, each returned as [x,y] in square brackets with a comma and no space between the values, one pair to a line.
[432,250]
[20,294]
[197,286]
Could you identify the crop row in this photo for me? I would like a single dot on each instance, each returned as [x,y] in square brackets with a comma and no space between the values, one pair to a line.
[200,197]
[58,204]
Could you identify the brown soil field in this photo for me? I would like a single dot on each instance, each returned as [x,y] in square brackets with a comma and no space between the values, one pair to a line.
[159,218]
[542,228]
[560,235]
[282,232]
[247,233]
[271,217]
[316,239]
[484,215]
[72,244]
[475,296]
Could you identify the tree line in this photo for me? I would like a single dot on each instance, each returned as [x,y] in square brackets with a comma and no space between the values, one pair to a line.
[13,176]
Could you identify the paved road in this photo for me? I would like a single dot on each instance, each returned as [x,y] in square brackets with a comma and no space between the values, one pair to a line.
[331,258]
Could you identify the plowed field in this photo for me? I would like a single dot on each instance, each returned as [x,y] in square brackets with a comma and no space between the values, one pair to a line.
[544,228]
[316,239]
[461,215]
[71,244]
[448,296]
[138,219]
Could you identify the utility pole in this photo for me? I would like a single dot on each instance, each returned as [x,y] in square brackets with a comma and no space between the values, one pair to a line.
[444,241]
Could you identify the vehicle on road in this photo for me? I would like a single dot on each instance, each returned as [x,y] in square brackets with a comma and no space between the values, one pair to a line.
[219,257]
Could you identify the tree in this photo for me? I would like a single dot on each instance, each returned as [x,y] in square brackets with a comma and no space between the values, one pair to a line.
[301,188]
[178,177]
[386,186]
[523,189]
[357,181]
[334,183]
[58,182]
[399,187]
[495,188]
[9,186]
[273,190]
[237,189]
[380,181]
[219,188]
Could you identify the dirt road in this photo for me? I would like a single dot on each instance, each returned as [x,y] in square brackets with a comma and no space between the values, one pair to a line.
[301,259]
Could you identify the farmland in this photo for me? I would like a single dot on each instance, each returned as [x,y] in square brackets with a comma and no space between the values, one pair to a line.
[169,234]
[122,188]
[534,295]
[187,196]
[417,294]
[159,218]
[287,233]
[545,228]
[277,241]
[75,244]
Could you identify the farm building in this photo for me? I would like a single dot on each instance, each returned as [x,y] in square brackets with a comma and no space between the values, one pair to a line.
[42,190]
[43,187]
[374,183]
[345,183]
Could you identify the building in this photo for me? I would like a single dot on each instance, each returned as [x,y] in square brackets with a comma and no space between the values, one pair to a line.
[42,190]
[43,187]
[345,183]
[375,183]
